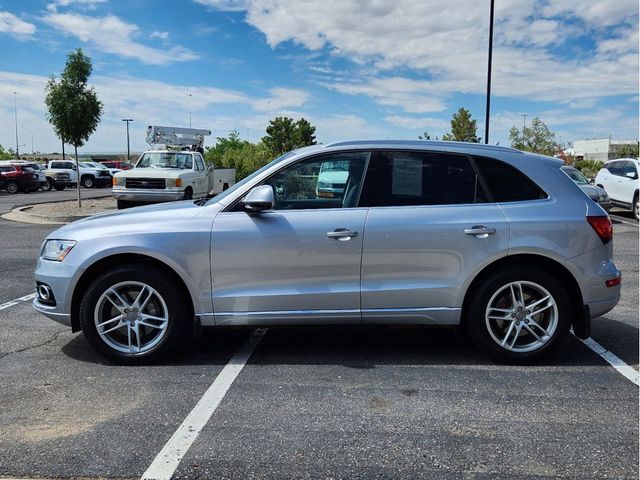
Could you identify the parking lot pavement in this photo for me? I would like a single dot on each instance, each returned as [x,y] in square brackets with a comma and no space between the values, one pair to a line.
[322,402]
[9,202]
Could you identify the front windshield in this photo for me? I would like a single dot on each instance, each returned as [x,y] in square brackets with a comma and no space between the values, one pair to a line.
[576,176]
[166,160]
[246,180]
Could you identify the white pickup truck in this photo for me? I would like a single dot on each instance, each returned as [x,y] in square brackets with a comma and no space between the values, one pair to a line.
[166,176]
[89,177]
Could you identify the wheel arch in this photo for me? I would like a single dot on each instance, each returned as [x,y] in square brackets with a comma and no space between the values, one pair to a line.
[116,260]
[540,262]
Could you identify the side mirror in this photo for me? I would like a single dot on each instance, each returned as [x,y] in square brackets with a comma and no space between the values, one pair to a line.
[259,199]
[631,175]
[210,168]
[592,180]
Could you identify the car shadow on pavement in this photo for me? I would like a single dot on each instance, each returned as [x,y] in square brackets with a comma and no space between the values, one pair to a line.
[359,347]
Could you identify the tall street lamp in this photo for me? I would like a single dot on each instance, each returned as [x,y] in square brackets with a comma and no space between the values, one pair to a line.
[189,95]
[15,114]
[486,120]
[128,149]
[524,122]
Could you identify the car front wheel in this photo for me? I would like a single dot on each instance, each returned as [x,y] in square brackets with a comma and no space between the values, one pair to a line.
[518,314]
[88,182]
[133,314]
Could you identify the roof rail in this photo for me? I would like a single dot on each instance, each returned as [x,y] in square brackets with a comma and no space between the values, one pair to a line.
[418,143]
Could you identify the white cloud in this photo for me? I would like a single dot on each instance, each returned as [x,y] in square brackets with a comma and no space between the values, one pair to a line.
[160,35]
[147,101]
[110,34]
[13,25]
[431,125]
[225,5]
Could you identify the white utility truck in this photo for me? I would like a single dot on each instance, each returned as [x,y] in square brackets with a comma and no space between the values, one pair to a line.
[175,172]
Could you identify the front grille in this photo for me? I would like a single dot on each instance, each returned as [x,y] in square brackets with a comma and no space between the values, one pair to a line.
[145,183]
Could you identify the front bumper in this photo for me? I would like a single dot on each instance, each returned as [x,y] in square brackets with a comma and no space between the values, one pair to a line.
[50,312]
[102,181]
[148,194]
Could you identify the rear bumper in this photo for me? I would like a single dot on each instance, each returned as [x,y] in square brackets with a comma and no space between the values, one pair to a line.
[148,195]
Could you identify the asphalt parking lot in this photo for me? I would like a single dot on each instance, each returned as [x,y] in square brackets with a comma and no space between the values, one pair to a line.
[321,402]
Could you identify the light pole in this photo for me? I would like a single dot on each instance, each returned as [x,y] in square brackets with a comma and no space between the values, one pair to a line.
[25,128]
[189,95]
[268,112]
[524,122]
[486,120]
[15,114]
[128,150]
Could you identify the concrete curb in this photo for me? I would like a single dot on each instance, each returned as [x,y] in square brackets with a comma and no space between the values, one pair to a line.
[21,214]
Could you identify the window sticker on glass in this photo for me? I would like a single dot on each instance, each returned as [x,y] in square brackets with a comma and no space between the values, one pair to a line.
[407,177]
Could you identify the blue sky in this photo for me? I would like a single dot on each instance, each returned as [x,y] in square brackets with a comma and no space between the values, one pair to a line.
[355,69]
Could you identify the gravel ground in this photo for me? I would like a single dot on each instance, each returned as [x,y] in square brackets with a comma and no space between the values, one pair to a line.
[90,206]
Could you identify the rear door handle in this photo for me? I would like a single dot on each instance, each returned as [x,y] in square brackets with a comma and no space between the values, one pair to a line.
[480,231]
[342,234]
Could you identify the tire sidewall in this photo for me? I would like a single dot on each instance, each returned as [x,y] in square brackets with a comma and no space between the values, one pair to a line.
[154,278]
[12,187]
[88,182]
[475,322]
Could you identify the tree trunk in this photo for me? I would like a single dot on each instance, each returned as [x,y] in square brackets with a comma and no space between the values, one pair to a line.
[78,175]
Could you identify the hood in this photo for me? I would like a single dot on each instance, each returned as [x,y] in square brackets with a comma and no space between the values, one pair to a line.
[131,221]
[593,191]
[151,173]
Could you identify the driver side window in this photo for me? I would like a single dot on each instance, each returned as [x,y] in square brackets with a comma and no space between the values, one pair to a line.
[329,181]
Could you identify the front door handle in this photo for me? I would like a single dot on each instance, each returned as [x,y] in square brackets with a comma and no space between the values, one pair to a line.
[342,234]
[480,231]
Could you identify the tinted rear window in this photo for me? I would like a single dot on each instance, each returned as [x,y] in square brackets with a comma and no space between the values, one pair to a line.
[506,183]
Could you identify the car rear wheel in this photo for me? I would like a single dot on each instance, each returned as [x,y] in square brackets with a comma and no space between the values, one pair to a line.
[88,182]
[636,207]
[518,314]
[133,314]
[188,193]
[12,187]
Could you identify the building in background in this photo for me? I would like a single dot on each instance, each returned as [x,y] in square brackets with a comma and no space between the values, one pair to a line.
[601,149]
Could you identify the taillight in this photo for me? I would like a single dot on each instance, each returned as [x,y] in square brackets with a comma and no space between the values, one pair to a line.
[603,227]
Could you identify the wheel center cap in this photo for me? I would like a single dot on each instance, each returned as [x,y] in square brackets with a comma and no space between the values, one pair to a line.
[132,316]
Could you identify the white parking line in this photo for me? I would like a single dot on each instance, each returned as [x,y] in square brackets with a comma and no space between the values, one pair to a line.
[167,461]
[618,219]
[31,296]
[629,372]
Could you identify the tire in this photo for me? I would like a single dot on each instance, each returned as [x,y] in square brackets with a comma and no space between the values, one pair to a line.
[636,207]
[59,187]
[12,187]
[118,340]
[188,194]
[122,204]
[522,333]
[88,181]
[48,185]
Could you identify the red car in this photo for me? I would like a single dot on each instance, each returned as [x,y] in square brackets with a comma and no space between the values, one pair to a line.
[16,177]
[117,164]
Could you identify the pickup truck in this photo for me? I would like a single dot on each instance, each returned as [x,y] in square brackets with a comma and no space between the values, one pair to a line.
[169,175]
[89,177]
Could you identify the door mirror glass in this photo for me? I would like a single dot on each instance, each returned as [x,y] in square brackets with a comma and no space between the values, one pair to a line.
[259,199]
[631,175]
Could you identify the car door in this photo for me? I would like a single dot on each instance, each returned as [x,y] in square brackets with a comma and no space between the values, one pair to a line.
[627,186]
[612,180]
[300,261]
[429,224]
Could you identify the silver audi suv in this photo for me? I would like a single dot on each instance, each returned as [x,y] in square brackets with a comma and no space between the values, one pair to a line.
[498,242]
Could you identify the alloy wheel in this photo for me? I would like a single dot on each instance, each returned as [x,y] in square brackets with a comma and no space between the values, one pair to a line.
[131,317]
[521,316]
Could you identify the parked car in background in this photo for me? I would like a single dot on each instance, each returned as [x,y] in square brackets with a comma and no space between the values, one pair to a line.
[595,193]
[620,179]
[118,164]
[100,166]
[17,177]
[497,241]
[37,168]
[89,177]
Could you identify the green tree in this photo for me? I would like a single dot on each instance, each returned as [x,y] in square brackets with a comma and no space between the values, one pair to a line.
[284,135]
[535,138]
[463,127]
[232,152]
[629,150]
[74,110]
[6,154]
[426,136]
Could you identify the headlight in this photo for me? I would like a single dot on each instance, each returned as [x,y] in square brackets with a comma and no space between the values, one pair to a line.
[118,181]
[56,250]
[174,182]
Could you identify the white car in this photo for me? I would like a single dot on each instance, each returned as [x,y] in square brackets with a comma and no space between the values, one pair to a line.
[620,179]
[100,166]
[89,176]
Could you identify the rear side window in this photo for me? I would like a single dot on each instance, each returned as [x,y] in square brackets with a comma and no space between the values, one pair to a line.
[506,183]
[630,168]
[399,178]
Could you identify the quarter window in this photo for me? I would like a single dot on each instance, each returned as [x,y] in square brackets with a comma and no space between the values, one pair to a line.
[506,183]
[630,168]
[421,178]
